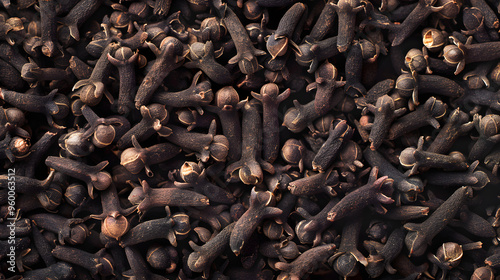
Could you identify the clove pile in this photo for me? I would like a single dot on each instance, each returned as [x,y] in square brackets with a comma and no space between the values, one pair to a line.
[249,139]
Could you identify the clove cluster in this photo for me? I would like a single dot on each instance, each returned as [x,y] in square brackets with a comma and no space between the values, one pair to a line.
[249,139]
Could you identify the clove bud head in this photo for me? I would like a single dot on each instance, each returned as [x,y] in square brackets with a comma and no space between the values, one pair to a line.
[124,53]
[248,65]
[251,174]
[78,234]
[450,254]
[63,107]
[75,194]
[133,160]
[346,265]
[15,116]
[219,148]
[102,180]
[190,172]
[252,10]
[415,60]
[104,135]
[115,225]
[483,273]
[277,46]
[162,257]
[453,54]
[407,157]
[51,198]
[292,151]
[293,120]
[212,29]
[227,96]
[433,39]
[489,125]
[76,143]
[181,224]
[20,147]
[289,250]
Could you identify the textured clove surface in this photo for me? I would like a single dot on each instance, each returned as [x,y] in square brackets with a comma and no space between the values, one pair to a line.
[249,139]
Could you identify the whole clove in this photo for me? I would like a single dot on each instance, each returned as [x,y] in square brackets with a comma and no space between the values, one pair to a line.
[92,175]
[294,123]
[99,263]
[168,227]
[251,165]
[307,261]
[201,259]
[261,206]
[419,234]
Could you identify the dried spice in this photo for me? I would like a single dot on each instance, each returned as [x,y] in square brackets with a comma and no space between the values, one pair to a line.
[290,164]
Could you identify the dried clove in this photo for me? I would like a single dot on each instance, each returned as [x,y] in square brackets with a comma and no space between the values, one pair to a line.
[136,158]
[419,235]
[261,206]
[92,175]
[270,98]
[146,197]
[250,165]
[168,227]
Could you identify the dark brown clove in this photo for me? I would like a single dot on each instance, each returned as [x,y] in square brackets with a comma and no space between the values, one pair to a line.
[325,84]
[51,105]
[168,227]
[194,175]
[203,57]
[308,261]
[460,54]
[72,230]
[169,57]
[124,59]
[315,183]
[420,235]
[60,270]
[487,127]
[146,197]
[345,260]
[279,41]
[92,175]
[197,95]
[228,103]
[409,187]
[105,131]
[78,15]
[375,192]
[381,259]
[203,145]
[311,53]
[261,207]
[99,263]
[145,128]
[136,158]
[418,158]
[203,256]
[270,98]
[92,89]
[385,113]
[114,222]
[457,125]
[250,165]
[246,56]
[424,115]
[310,229]
[162,257]
[475,179]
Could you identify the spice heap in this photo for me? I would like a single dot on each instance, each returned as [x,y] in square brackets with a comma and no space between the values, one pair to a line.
[254,139]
